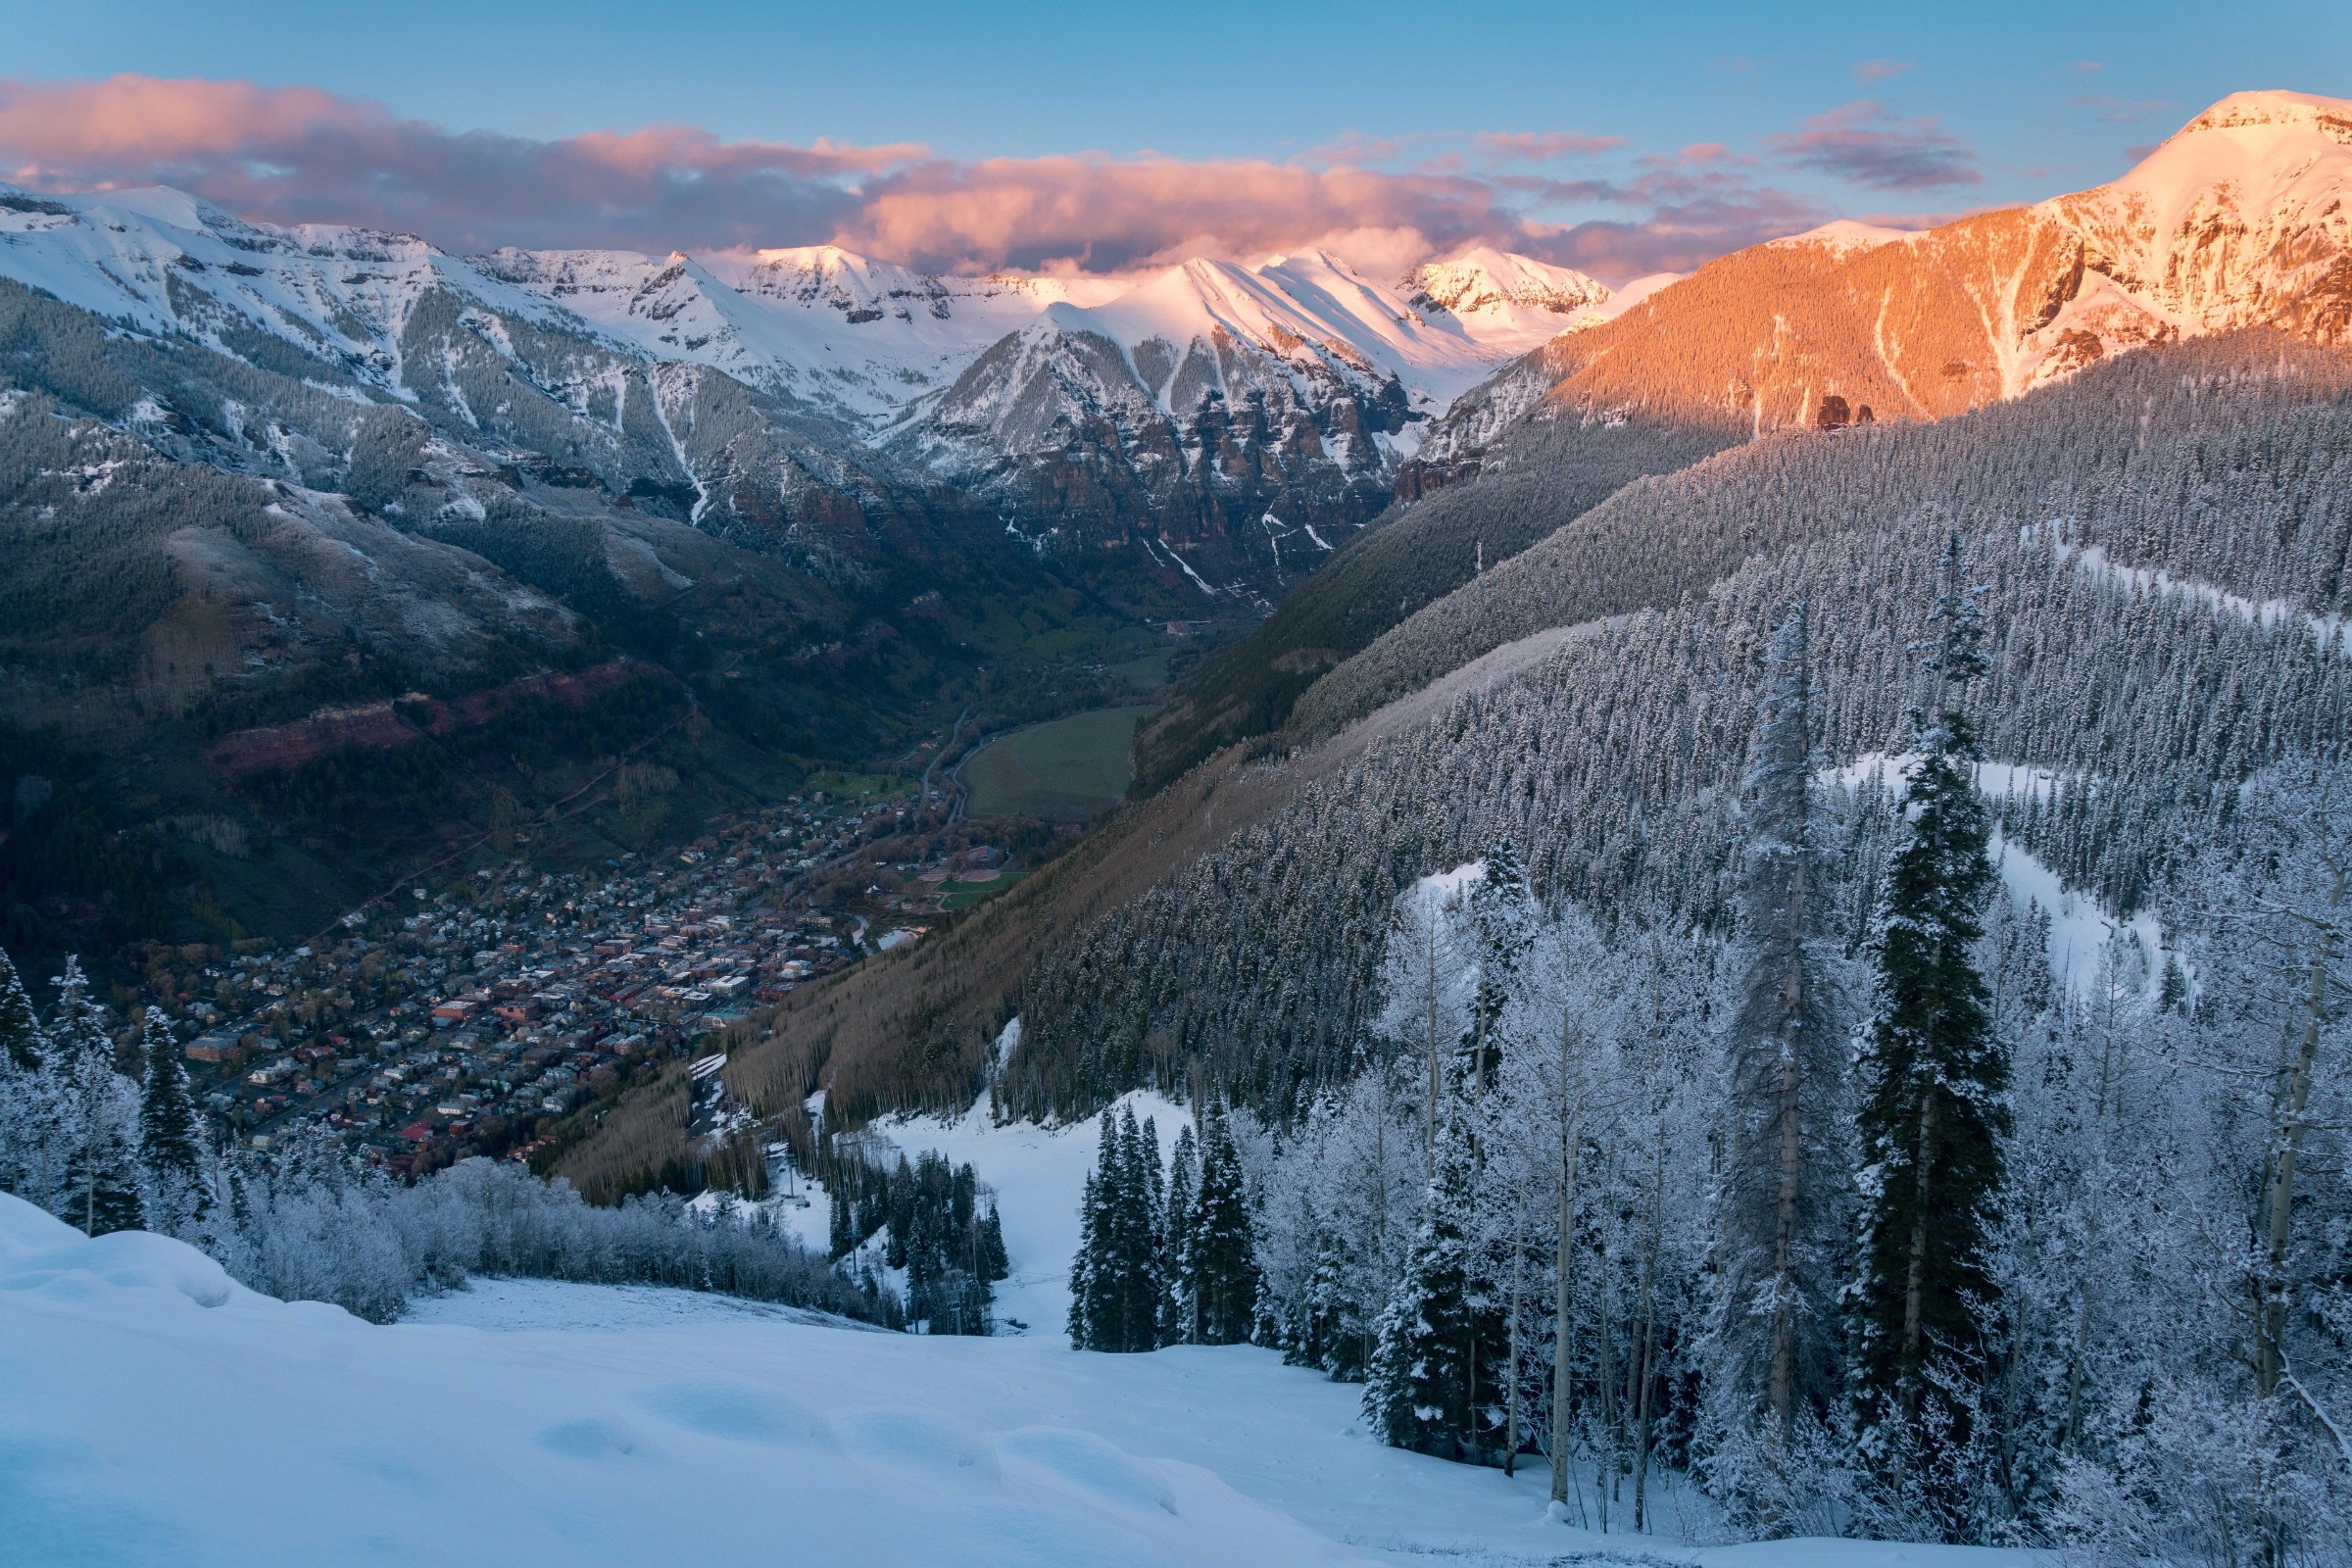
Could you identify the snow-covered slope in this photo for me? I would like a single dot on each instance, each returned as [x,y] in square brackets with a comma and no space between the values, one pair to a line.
[162,260]
[853,336]
[155,1412]
[1506,303]
[2243,217]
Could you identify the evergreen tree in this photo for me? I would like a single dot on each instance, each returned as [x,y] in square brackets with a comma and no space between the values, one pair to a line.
[1081,1320]
[1115,1283]
[1419,1392]
[100,1114]
[1179,1315]
[1934,1078]
[171,1141]
[1221,1258]
[990,1258]
[20,1028]
[1775,1220]
[31,1135]
[1500,917]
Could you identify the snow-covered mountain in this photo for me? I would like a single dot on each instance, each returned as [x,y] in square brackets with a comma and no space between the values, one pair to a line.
[1189,402]
[853,336]
[1214,397]
[2243,217]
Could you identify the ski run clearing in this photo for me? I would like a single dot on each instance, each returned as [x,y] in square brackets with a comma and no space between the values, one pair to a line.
[154,1413]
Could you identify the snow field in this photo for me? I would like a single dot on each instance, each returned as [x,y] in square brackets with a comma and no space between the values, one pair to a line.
[153,1413]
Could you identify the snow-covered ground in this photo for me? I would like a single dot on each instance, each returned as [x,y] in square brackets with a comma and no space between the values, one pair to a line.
[152,1412]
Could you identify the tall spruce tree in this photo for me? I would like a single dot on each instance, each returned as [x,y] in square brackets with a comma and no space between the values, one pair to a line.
[1501,915]
[1115,1280]
[1777,1221]
[172,1141]
[100,1114]
[1420,1387]
[1933,1073]
[1221,1258]
[20,1043]
[1179,1317]
[30,1136]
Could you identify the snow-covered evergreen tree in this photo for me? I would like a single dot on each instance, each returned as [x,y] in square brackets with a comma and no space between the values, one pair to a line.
[1116,1288]
[21,1044]
[1179,1308]
[1420,1392]
[173,1152]
[1932,1106]
[98,1114]
[1772,1353]
[1220,1260]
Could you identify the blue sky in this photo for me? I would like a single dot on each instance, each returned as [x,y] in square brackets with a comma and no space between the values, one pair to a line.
[1846,109]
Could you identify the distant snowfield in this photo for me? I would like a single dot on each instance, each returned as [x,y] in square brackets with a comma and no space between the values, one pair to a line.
[153,1413]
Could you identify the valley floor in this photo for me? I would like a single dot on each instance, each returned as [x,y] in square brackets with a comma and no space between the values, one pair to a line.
[152,1412]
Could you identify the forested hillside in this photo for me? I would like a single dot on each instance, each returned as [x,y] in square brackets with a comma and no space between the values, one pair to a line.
[1611,764]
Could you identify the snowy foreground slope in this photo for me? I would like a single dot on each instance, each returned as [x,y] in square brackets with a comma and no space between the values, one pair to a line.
[152,1412]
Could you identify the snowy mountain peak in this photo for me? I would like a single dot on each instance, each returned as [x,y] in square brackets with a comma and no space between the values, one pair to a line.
[1486,282]
[2243,216]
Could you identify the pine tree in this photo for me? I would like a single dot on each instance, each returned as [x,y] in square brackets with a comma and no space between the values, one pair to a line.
[100,1190]
[171,1141]
[1420,1390]
[1771,1349]
[1221,1262]
[1932,1076]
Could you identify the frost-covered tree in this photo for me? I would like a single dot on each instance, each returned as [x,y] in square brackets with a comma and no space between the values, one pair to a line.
[1421,1390]
[1777,1200]
[1932,1104]
[173,1156]
[98,1114]
[1116,1287]
[1220,1282]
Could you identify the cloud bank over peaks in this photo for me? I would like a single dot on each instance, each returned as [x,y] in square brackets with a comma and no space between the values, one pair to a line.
[297,154]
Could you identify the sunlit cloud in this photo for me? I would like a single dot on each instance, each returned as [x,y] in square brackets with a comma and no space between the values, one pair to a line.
[299,154]
[1863,142]
[1880,70]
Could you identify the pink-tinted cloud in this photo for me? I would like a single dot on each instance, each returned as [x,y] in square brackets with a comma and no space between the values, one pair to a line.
[1863,142]
[298,154]
[1539,146]
[1880,70]
[1107,215]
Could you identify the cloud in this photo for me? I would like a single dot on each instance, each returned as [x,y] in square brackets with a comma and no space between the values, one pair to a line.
[1864,143]
[1103,213]
[1539,146]
[299,154]
[1880,69]
[2115,109]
